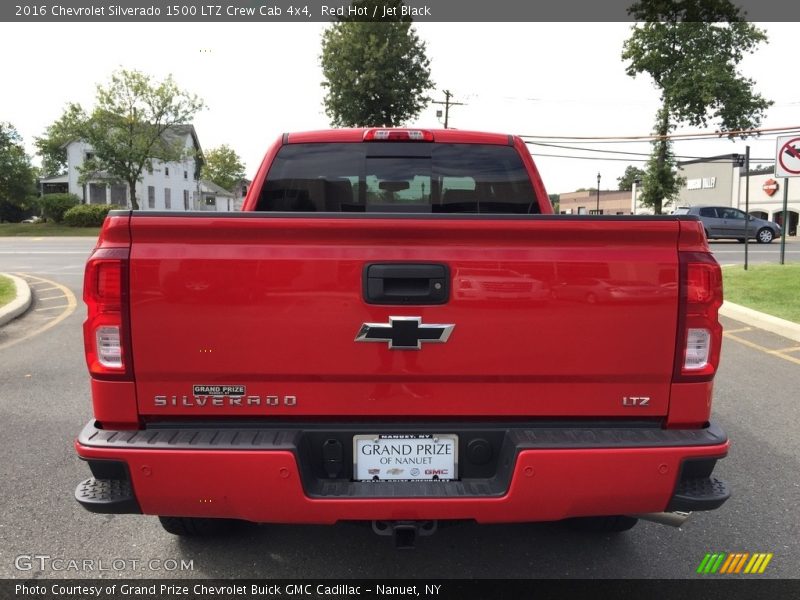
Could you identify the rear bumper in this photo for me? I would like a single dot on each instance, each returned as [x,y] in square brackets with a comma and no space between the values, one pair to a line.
[281,474]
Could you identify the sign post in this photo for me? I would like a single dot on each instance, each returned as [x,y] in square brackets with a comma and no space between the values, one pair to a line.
[787,164]
[784,224]
[746,204]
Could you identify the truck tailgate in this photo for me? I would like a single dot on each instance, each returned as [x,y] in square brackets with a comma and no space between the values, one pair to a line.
[552,316]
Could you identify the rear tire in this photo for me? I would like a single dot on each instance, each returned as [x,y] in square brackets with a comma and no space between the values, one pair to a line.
[608,524]
[765,235]
[196,526]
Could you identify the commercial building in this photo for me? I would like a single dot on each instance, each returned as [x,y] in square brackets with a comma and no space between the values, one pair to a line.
[722,181]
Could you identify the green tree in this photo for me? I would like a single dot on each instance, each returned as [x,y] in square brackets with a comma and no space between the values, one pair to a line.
[131,126]
[17,179]
[631,174]
[691,50]
[223,166]
[376,73]
[52,146]
[661,182]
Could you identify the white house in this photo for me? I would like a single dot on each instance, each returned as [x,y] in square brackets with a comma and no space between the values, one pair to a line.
[169,186]
[239,193]
[214,197]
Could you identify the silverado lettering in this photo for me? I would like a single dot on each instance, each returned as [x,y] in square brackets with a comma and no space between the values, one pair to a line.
[222,400]
[409,238]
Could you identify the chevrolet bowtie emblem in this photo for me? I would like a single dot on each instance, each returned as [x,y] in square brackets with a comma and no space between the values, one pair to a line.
[404,333]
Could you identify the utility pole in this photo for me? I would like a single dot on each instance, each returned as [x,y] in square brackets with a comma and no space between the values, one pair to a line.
[597,211]
[447,105]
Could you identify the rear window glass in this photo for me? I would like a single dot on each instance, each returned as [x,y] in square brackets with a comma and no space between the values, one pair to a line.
[398,177]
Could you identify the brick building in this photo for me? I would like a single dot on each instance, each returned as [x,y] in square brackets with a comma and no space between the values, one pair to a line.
[611,202]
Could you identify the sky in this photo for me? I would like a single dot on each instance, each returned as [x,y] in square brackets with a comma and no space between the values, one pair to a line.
[259,80]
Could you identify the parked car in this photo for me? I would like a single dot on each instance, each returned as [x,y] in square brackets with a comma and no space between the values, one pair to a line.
[725,222]
[498,284]
[591,290]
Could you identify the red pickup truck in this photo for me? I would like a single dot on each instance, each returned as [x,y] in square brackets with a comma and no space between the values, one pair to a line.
[397,329]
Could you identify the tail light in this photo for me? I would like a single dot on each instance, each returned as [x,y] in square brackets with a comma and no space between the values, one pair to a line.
[398,135]
[699,331]
[106,331]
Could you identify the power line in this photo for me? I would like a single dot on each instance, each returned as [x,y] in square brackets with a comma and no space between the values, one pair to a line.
[604,151]
[760,139]
[641,160]
[630,160]
[618,141]
[676,136]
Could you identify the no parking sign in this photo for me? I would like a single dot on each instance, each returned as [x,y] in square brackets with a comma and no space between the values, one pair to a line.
[787,160]
[787,164]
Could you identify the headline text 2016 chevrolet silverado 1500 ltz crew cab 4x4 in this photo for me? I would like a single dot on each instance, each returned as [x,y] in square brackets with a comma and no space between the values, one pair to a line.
[396,329]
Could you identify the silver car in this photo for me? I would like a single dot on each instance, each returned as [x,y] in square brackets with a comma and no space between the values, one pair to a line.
[724,222]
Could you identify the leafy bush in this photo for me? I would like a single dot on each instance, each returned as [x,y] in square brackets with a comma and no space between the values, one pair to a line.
[55,205]
[88,215]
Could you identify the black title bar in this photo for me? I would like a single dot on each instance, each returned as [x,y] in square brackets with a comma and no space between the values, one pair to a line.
[303,11]
[707,588]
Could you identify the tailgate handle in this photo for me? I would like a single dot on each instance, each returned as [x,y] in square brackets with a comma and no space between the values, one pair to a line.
[395,283]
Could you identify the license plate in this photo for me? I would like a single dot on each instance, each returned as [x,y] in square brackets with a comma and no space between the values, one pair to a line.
[405,457]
